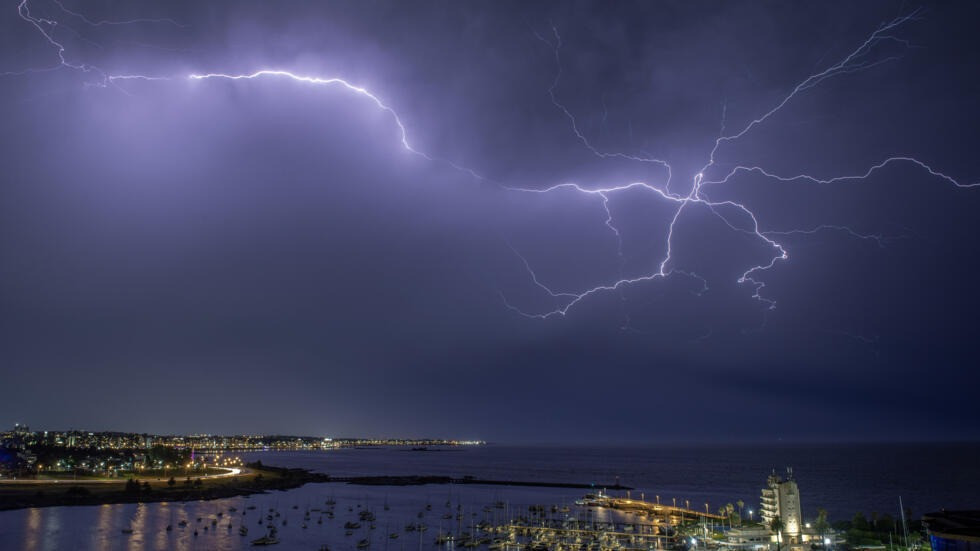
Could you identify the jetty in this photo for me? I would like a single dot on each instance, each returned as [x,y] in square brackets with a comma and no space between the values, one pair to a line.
[651,509]
[415,480]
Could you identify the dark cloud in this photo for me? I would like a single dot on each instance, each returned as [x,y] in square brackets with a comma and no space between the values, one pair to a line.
[265,256]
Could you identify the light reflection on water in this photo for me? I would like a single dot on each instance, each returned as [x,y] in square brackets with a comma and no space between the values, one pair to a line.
[32,529]
[52,529]
[101,526]
[842,479]
[161,517]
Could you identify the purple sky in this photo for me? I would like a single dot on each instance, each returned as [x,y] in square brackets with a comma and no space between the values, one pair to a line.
[266,255]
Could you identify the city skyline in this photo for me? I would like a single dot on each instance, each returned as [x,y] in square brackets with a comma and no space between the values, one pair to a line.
[108,438]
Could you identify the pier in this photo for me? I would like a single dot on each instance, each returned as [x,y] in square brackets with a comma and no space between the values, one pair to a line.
[415,480]
[654,509]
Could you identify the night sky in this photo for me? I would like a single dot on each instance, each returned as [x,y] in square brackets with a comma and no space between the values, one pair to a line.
[266,255]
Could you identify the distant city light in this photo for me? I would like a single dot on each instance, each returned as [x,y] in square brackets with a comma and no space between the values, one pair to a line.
[109,453]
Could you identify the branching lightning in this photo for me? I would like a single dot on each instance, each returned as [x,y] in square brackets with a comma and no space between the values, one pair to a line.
[735,215]
[46,27]
[108,22]
[857,60]
[838,179]
[571,118]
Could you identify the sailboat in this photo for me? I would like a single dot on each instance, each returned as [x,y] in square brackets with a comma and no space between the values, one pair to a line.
[268,539]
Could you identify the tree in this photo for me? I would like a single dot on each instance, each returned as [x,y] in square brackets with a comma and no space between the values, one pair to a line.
[776,525]
[821,525]
[132,486]
[741,506]
[729,512]
[886,523]
[166,455]
[171,482]
[146,487]
[860,522]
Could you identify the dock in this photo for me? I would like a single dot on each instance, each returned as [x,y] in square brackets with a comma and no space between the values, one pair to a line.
[656,510]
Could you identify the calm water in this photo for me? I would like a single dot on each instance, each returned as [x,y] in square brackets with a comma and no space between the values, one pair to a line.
[842,479]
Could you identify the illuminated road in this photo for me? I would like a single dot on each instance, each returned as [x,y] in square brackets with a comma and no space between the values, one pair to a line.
[231,472]
[655,508]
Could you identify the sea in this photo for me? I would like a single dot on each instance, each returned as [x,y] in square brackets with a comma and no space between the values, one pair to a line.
[843,479]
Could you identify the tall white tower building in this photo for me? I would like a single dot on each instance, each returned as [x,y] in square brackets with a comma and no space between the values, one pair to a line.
[782,497]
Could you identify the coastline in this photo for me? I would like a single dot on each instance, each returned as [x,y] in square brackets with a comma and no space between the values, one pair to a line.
[256,480]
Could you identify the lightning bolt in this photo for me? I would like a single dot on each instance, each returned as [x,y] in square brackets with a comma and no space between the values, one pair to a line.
[46,27]
[108,22]
[879,239]
[344,84]
[854,177]
[859,59]
[556,46]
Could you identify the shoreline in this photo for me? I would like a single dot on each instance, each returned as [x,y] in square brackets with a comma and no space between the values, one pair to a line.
[416,480]
[258,479]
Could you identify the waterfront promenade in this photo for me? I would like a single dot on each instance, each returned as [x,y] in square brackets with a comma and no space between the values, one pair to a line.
[230,473]
[653,509]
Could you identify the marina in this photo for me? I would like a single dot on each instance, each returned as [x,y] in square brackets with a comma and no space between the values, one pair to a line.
[343,516]
[495,526]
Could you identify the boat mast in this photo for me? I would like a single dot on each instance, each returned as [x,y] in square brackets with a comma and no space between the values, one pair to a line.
[905,528]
